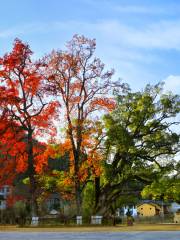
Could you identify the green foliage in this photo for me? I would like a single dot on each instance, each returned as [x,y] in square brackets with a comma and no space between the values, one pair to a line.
[166,188]
[88,200]
[141,139]
[20,208]
[54,182]
[26,181]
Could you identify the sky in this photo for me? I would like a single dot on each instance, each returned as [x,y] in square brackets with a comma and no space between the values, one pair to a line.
[140,39]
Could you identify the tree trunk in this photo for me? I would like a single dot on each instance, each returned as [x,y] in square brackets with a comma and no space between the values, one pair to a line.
[78,198]
[97,190]
[31,174]
[34,205]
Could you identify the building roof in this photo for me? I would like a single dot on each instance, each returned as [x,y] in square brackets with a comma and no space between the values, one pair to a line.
[152,204]
[158,202]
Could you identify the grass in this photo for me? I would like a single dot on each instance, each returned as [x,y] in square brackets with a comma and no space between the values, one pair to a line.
[118,228]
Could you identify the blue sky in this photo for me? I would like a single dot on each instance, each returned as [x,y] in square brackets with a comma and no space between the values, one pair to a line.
[140,39]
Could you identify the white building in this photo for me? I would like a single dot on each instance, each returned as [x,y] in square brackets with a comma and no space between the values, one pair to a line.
[4,192]
[174,207]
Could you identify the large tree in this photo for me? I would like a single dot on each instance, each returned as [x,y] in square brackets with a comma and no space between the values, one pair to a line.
[140,138]
[28,113]
[166,187]
[82,86]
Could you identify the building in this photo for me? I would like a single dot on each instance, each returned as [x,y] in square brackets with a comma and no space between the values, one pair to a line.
[53,202]
[123,211]
[150,208]
[4,193]
[2,202]
[177,217]
[175,207]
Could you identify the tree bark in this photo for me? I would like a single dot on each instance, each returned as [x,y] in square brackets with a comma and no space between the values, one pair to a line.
[78,198]
[31,174]
[97,190]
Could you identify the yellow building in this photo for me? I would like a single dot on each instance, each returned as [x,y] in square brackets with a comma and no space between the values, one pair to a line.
[177,217]
[148,209]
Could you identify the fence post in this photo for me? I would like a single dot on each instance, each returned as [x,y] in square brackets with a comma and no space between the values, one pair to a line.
[79,220]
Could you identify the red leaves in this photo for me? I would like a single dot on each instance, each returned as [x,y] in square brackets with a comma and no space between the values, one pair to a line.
[28,112]
[84,89]
[28,108]
[12,199]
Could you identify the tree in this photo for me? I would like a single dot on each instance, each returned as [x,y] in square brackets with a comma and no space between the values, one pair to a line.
[139,139]
[167,187]
[9,137]
[82,87]
[28,114]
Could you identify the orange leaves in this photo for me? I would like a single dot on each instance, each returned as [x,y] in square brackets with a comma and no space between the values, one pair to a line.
[43,120]
[68,181]
[29,114]
[79,78]
[18,57]
[21,162]
[12,147]
[83,87]
[32,83]
[103,103]
[24,85]
[34,94]
[24,88]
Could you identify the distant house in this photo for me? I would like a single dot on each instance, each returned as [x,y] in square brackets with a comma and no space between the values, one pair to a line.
[152,208]
[53,201]
[175,207]
[177,216]
[123,211]
[60,164]
[148,209]
[4,193]
[2,202]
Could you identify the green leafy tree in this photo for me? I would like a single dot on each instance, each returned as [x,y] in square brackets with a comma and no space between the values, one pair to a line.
[139,139]
[166,188]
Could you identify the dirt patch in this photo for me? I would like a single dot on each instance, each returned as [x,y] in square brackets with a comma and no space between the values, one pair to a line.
[120,228]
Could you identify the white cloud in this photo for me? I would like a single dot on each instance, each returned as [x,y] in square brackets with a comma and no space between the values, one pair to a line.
[159,35]
[172,83]
[119,45]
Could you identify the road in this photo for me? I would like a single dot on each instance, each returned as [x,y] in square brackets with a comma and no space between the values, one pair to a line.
[164,235]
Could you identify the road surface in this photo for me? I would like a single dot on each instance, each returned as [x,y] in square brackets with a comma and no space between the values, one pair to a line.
[164,235]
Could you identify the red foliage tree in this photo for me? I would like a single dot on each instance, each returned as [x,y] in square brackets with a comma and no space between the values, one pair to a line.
[83,89]
[26,114]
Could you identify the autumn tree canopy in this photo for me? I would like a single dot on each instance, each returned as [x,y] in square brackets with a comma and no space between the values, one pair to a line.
[82,86]
[73,88]
[28,114]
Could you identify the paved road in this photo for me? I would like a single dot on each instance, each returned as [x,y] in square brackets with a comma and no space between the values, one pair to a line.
[90,236]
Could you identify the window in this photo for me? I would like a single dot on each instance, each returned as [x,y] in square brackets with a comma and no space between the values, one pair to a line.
[150,208]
